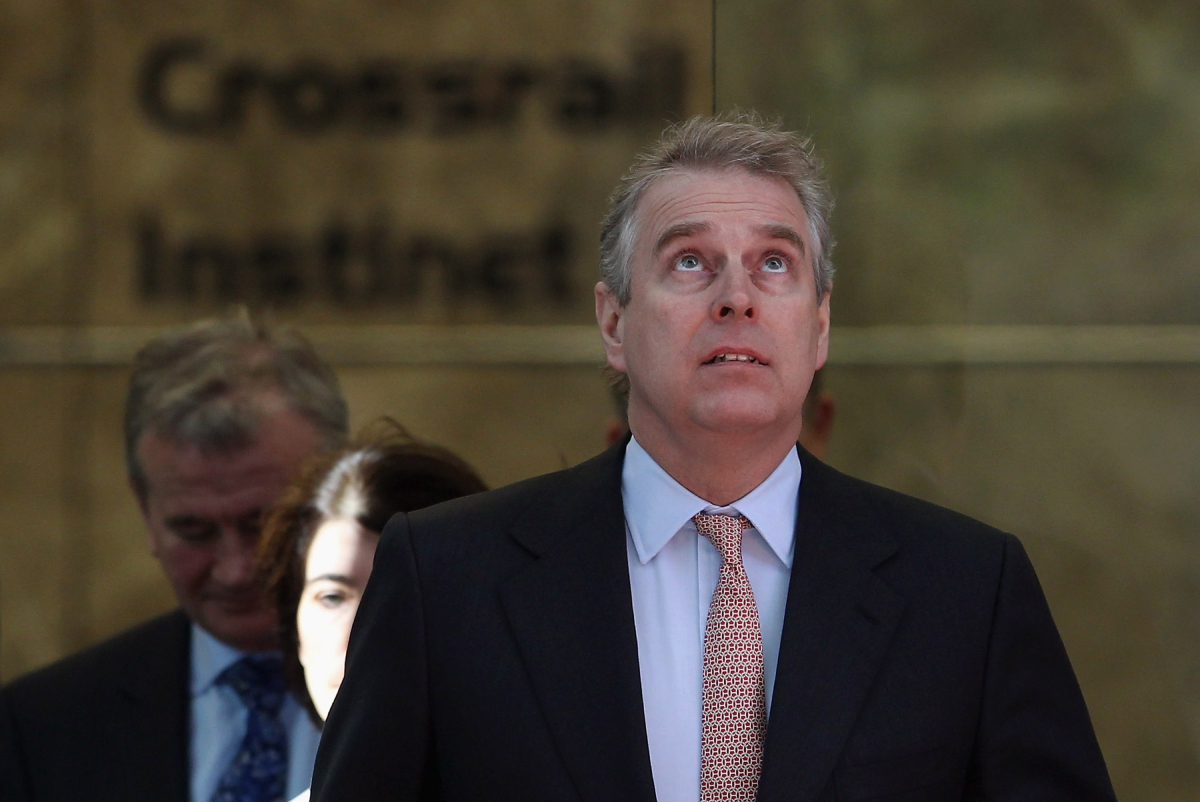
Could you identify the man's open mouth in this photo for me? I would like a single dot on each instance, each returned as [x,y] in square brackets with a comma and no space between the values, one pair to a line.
[733,358]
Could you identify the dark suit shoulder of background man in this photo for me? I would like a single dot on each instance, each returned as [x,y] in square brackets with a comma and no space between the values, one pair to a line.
[706,611]
[109,694]
[219,417]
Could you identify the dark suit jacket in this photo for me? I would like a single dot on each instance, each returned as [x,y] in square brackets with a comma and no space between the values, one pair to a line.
[109,723]
[494,657]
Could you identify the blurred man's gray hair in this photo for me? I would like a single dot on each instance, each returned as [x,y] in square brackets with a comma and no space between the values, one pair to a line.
[736,140]
[204,385]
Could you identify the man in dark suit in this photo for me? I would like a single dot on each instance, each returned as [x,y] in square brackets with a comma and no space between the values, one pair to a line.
[706,611]
[219,418]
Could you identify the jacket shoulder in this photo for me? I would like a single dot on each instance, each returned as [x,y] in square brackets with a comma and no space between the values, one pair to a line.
[109,722]
[161,642]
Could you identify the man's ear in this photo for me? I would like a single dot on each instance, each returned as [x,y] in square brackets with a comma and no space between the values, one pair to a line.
[822,332]
[610,316]
[139,495]
[818,424]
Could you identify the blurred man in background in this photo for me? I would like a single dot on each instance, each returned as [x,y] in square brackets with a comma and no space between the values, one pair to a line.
[192,705]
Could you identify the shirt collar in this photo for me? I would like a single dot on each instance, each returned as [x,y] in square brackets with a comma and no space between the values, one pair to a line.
[209,658]
[657,506]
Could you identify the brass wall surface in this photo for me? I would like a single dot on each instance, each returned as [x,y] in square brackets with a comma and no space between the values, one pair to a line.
[1005,164]
[995,164]
[364,162]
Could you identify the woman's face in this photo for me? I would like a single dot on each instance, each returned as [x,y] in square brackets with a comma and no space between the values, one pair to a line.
[335,573]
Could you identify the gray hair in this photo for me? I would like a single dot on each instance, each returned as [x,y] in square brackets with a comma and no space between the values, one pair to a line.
[735,140]
[203,385]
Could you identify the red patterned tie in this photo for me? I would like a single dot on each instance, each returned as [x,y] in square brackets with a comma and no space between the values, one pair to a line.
[735,704]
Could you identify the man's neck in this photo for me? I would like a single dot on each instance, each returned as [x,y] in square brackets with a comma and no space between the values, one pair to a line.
[719,467]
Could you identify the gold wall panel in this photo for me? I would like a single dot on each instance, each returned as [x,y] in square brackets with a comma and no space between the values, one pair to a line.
[371,161]
[35,493]
[1016,182]
[340,165]
[41,225]
[994,162]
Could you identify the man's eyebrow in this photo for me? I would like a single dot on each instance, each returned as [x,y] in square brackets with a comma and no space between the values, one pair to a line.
[779,231]
[676,231]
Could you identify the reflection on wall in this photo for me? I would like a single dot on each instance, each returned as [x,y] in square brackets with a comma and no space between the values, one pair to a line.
[995,162]
[398,162]
[341,165]
[189,88]
[1005,164]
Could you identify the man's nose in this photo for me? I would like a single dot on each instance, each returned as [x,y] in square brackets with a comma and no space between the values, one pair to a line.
[735,297]
[236,558]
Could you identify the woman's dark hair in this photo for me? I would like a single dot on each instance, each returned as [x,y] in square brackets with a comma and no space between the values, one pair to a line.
[383,472]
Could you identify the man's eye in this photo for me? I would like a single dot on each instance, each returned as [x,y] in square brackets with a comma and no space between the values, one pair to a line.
[688,263]
[194,534]
[774,264]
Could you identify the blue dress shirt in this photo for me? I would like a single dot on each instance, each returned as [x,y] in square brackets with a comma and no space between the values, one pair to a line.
[673,572]
[218,723]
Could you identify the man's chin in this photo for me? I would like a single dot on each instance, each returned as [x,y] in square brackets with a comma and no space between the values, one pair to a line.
[737,415]
[252,630]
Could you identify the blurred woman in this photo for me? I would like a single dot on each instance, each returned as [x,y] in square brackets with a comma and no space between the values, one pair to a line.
[319,543]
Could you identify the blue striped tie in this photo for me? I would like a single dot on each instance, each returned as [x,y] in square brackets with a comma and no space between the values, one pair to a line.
[258,772]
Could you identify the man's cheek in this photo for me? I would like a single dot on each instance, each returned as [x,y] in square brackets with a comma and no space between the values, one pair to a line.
[188,565]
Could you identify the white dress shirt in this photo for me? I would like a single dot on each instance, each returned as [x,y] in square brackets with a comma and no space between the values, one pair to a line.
[218,723]
[673,572]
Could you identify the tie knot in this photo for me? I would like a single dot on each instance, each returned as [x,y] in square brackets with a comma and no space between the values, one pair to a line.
[258,681]
[725,532]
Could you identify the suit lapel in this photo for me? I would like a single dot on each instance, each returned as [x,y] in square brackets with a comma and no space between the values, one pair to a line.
[571,612]
[838,622]
[154,698]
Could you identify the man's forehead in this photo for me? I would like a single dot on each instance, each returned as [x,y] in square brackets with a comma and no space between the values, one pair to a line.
[274,453]
[693,228]
[171,466]
[693,201]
